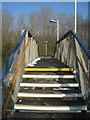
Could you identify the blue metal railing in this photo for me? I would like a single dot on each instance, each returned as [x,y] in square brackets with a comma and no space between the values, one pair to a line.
[79,41]
[81,44]
[78,57]
[8,63]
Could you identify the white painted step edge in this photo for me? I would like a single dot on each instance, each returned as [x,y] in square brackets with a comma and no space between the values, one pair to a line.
[48,76]
[48,85]
[49,108]
[46,95]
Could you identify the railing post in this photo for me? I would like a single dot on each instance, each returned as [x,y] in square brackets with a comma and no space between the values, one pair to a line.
[70,53]
[31,50]
[29,45]
[75,60]
[37,49]
[34,49]
[63,52]
[58,51]
[27,51]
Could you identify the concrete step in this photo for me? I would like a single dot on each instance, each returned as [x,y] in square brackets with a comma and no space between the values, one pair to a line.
[48,95]
[49,108]
[48,69]
[57,116]
[49,90]
[49,76]
[49,81]
[45,85]
[48,73]
[51,101]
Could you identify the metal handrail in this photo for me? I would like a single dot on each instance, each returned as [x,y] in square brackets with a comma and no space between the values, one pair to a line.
[8,63]
[71,51]
[11,89]
[81,44]
[27,40]
[79,61]
[79,41]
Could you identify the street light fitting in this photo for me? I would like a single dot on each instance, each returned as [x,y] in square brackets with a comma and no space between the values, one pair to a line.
[46,42]
[53,21]
[56,21]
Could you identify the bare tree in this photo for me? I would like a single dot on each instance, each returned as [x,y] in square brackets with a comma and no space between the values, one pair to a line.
[40,27]
[20,24]
[7,26]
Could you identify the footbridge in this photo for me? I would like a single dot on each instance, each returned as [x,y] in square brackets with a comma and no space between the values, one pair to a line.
[56,86]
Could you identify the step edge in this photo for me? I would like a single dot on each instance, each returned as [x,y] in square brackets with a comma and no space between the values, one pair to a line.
[41,95]
[49,108]
[23,84]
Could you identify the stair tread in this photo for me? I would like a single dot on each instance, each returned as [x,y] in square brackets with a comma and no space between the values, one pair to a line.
[23,84]
[64,70]
[47,90]
[61,80]
[49,95]
[57,116]
[50,108]
[49,72]
[49,102]
[48,76]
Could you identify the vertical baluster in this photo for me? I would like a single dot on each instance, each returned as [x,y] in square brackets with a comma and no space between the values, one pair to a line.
[58,51]
[31,50]
[29,45]
[36,49]
[27,51]
[70,54]
[62,51]
[66,52]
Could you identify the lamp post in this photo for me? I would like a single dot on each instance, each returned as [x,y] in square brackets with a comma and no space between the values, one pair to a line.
[56,21]
[75,16]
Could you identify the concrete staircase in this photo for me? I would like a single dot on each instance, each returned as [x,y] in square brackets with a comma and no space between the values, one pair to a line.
[49,87]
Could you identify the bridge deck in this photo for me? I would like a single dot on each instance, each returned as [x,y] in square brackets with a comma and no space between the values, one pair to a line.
[50,63]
